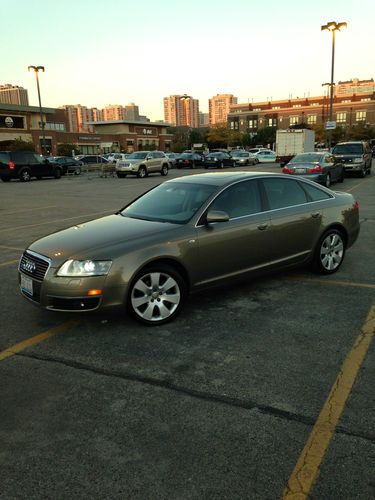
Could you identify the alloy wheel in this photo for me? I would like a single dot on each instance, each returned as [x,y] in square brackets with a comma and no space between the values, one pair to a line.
[331,252]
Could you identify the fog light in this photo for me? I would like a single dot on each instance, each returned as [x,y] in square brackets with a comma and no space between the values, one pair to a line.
[94,292]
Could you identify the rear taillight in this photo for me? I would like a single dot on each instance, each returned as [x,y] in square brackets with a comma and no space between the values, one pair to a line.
[356,206]
[11,165]
[314,170]
[287,170]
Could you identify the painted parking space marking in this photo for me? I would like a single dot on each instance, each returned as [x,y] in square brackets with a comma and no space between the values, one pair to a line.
[306,279]
[27,210]
[308,465]
[11,248]
[11,351]
[16,228]
[9,262]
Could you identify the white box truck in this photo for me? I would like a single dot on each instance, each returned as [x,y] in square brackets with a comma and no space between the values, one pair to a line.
[293,141]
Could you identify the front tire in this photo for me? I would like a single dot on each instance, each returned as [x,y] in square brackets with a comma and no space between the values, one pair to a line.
[142,172]
[329,253]
[156,295]
[327,181]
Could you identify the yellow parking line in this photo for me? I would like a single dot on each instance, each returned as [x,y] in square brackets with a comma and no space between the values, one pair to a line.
[15,228]
[310,460]
[11,351]
[331,282]
[9,262]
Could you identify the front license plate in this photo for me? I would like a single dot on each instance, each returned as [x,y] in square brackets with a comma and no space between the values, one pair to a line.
[26,284]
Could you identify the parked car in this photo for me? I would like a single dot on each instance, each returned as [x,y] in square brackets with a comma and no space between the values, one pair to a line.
[67,164]
[24,165]
[318,167]
[91,159]
[355,155]
[218,160]
[186,235]
[265,156]
[242,157]
[257,150]
[142,163]
[115,157]
[189,160]
[171,158]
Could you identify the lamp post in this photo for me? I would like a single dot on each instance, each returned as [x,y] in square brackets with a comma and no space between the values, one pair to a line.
[333,27]
[36,69]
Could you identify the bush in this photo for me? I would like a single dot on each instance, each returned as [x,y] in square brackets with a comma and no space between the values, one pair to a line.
[20,145]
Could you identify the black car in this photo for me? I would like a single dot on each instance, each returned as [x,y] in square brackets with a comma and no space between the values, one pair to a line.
[24,165]
[91,159]
[67,164]
[219,160]
[320,167]
[355,155]
[189,160]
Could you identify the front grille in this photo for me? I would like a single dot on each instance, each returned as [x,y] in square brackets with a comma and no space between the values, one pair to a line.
[34,266]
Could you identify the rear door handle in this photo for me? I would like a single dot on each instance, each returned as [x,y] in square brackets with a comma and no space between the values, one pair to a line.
[262,227]
[315,214]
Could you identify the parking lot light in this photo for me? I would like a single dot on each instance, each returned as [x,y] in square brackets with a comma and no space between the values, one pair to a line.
[36,70]
[332,26]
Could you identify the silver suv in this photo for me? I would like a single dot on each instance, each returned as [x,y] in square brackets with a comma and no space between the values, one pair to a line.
[142,163]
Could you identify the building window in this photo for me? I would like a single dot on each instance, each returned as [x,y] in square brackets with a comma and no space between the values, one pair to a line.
[272,122]
[234,125]
[360,116]
[293,120]
[341,117]
[311,119]
[296,106]
[365,99]
[252,124]
[314,104]
[275,107]
[346,100]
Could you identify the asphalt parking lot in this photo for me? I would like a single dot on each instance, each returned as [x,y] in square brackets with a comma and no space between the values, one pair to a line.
[259,391]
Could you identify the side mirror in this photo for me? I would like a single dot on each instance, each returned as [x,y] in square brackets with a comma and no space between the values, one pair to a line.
[216,216]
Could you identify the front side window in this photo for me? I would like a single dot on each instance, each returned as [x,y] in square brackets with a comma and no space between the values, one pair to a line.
[239,200]
[282,193]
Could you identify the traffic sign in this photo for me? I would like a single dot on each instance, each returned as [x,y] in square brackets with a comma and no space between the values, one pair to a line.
[330,125]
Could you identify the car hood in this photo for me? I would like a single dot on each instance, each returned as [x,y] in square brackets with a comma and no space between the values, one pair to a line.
[97,238]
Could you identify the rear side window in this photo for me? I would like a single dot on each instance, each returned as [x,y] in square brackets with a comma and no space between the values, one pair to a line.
[282,193]
[315,193]
[4,158]
[22,157]
[239,200]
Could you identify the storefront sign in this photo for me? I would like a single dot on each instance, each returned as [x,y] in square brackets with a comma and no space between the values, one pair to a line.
[7,121]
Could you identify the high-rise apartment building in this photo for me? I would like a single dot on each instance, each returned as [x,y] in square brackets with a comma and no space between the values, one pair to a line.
[97,115]
[13,94]
[181,110]
[78,116]
[132,112]
[354,86]
[114,112]
[218,107]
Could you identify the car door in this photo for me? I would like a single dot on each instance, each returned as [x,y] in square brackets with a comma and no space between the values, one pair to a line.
[294,221]
[334,168]
[227,249]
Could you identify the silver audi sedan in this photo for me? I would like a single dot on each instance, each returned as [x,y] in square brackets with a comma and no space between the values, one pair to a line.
[188,234]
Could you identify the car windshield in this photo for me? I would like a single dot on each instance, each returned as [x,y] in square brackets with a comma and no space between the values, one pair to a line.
[137,156]
[348,149]
[174,202]
[307,158]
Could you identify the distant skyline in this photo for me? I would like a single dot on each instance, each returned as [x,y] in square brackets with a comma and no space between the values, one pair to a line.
[121,51]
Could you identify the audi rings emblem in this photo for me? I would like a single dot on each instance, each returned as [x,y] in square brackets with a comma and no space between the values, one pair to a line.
[29,266]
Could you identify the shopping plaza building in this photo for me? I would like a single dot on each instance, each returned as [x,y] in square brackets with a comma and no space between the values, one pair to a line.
[24,122]
[348,110]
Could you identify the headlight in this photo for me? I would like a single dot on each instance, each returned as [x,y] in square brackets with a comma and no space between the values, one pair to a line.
[85,268]
[357,160]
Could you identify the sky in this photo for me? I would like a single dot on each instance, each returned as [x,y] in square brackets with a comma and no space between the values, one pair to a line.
[97,53]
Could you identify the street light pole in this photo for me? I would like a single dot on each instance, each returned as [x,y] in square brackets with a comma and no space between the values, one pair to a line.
[333,27]
[36,69]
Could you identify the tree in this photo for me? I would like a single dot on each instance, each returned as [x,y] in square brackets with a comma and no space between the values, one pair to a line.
[218,136]
[266,135]
[65,149]
[180,139]
[21,145]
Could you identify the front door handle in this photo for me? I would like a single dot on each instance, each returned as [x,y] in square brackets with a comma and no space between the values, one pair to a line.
[262,227]
[315,214]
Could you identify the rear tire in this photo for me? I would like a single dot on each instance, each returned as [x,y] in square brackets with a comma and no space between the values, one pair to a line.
[329,253]
[25,175]
[164,170]
[327,181]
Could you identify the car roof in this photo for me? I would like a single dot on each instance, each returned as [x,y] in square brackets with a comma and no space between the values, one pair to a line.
[223,178]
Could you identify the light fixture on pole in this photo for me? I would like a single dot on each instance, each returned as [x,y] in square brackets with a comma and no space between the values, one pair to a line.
[333,27]
[36,69]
